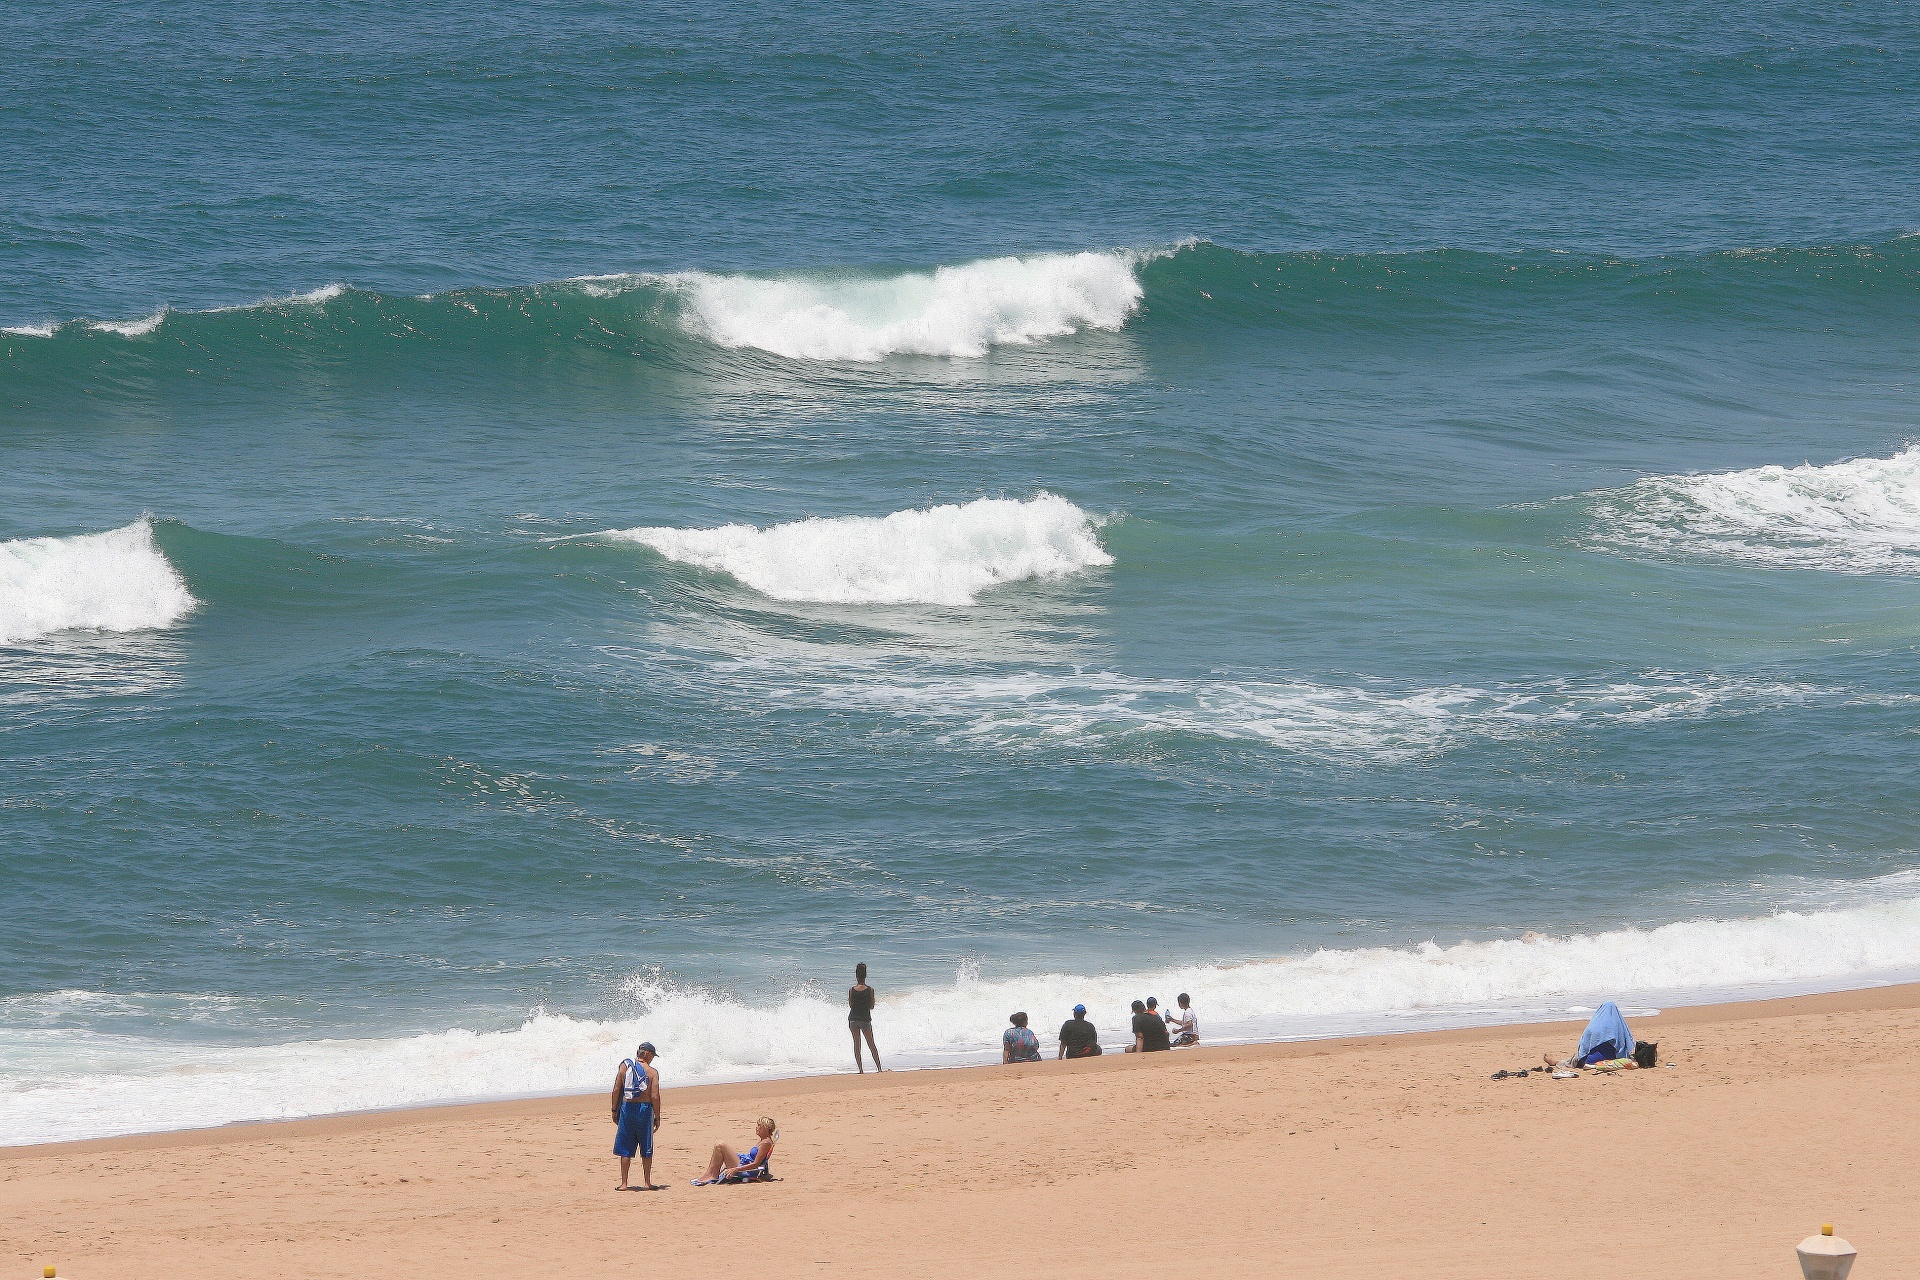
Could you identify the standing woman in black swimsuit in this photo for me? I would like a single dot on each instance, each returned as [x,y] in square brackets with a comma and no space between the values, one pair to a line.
[860,1017]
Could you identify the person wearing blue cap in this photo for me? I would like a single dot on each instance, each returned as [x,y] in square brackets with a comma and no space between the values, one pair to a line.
[1078,1039]
[636,1110]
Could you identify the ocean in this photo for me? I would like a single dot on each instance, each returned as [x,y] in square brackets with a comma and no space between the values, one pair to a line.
[524,528]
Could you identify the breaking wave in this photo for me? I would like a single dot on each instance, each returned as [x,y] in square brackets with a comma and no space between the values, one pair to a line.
[114,581]
[945,555]
[957,311]
[1857,516]
[122,1082]
[950,311]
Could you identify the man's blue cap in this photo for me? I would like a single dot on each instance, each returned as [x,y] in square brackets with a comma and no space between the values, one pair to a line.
[1079,1008]
[646,1046]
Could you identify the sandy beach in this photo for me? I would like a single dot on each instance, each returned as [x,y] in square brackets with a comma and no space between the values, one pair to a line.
[1374,1157]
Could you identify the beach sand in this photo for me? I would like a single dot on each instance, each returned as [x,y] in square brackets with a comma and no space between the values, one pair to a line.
[1377,1157]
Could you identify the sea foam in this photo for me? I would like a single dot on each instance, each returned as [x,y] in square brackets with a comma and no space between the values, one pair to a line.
[93,1082]
[957,310]
[114,581]
[1046,709]
[1857,516]
[946,555]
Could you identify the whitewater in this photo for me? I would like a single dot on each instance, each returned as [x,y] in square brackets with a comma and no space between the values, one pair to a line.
[711,1036]
[944,555]
[117,581]
[1861,515]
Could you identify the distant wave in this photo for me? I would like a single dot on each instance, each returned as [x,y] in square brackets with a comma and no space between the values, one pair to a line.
[1858,516]
[960,311]
[950,311]
[89,1081]
[945,555]
[114,581]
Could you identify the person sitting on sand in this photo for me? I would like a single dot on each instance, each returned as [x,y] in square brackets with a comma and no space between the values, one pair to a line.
[636,1109]
[726,1166]
[1149,1032]
[1017,1044]
[1078,1039]
[1185,1025]
[1605,1039]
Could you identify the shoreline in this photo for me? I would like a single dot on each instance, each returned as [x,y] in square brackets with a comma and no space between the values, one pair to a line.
[1851,999]
[1369,1038]
[1352,1157]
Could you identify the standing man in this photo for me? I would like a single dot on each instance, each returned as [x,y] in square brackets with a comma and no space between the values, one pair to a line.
[636,1110]
[1078,1039]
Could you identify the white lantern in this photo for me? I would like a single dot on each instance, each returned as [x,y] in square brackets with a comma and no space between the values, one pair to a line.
[1825,1256]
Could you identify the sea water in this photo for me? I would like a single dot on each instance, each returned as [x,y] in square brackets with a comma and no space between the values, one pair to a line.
[528,527]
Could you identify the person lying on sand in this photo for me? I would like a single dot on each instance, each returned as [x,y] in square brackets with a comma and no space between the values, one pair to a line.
[726,1166]
[1605,1039]
[1184,1025]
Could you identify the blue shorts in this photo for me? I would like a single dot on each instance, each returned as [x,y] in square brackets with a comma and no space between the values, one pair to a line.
[635,1135]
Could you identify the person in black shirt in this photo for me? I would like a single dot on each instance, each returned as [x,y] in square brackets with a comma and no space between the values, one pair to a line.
[860,999]
[1078,1039]
[1149,1032]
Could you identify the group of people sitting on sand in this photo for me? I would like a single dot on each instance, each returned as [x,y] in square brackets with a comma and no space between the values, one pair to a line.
[1152,1031]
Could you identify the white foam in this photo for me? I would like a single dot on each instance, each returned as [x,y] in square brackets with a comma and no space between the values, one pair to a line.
[147,324]
[946,555]
[1042,709]
[60,1081]
[311,298]
[951,311]
[1858,516]
[114,581]
[29,330]
[131,328]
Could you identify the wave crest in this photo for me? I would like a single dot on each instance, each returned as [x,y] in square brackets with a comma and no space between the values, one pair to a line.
[945,555]
[951,311]
[114,581]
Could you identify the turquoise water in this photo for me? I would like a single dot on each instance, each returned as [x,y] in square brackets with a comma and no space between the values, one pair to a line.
[527,526]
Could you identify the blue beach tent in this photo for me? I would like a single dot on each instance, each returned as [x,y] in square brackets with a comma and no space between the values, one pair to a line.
[1606,1028]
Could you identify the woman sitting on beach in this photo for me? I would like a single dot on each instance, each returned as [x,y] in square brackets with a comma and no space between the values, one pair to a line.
[1018,1043]
[727,1166]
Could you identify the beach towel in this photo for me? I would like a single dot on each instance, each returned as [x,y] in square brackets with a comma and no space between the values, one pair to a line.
[1606,1027]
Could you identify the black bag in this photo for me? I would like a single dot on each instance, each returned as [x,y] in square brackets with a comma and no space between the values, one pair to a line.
[1645,1053]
